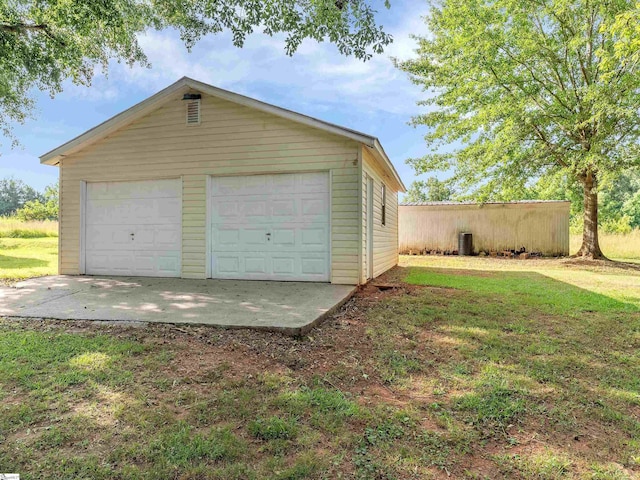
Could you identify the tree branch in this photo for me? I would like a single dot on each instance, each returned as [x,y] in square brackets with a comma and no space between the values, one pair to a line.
[36,27]
[20,27]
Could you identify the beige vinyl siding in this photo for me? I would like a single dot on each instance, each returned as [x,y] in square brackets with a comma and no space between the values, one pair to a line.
[230,140]
[194,224]
[385,237]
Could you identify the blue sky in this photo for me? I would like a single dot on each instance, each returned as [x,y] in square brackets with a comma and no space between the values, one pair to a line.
[371,97]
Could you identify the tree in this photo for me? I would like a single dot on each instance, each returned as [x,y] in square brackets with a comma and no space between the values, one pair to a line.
[45,208]
[45,42]
[431,190]
[14,194]
[618,199]
[529,90]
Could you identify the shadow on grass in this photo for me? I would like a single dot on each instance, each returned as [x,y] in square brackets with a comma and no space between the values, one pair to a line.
[609,263]
[498,349]
[9,262]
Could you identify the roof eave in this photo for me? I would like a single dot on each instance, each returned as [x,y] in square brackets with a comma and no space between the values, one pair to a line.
[109,126]
[377,146]
[282,112]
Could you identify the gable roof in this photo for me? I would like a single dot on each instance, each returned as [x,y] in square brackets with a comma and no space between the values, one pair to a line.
[143,108]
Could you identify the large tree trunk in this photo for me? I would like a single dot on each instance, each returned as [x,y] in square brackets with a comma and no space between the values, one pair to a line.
[590,246]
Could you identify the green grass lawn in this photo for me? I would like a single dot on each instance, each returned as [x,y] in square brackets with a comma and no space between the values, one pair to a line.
[470,369]
[28,257]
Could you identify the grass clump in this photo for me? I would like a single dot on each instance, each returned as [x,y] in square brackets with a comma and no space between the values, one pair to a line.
[273,428]
[492,404]
[541,466]
[181,447]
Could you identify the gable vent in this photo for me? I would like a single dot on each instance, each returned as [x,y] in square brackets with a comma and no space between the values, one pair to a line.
[193,112]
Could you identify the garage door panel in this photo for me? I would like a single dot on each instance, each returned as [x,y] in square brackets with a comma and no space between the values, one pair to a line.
[105,262]
[144,263]
[134,228]
[284,237]
[168,263]
[143,189]
[225,209]
[313,266]
[99,237]
[227,237]
[271,266]
[240,239]
[120,262]
[284,265]
[251,208]
[170,210]
[168,237]
[225,264]
[242,185]
[269,230]
[125,211]
[283,208]
[314,238]
[252,238]
[255,264]
[314,207]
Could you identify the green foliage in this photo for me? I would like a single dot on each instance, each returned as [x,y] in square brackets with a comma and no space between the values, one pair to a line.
[528,90]
[45,43]
[383,434]
[619,200]
[272,428]
[626,28]
[495,403]
[545,466]
[621,225]
[396,366]
[321,399]
[431,190]
[182,447]
[14,193]
[45,208]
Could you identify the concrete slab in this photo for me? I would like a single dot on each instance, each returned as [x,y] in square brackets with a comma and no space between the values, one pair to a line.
[290,307]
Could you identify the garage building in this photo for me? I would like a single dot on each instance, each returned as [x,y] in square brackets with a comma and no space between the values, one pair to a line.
[200,182]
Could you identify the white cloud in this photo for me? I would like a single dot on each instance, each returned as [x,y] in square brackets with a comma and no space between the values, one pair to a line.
[316,75]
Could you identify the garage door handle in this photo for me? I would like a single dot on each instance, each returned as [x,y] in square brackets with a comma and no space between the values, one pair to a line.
[268,236]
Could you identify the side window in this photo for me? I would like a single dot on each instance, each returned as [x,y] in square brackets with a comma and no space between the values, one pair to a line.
[384,204]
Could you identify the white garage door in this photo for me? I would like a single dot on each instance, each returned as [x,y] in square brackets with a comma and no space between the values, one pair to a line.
[271,227]
[134,228]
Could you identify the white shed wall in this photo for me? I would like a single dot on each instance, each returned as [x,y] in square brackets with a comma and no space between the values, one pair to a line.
[537,226]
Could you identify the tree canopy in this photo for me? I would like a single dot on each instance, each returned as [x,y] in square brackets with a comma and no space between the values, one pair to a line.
[45,42]
[14,194]
[527,90]
[430,190]
[43,208]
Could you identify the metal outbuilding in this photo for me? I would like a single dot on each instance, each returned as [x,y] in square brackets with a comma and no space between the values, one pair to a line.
[534,226]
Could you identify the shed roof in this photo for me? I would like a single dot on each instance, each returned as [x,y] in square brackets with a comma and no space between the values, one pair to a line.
[128,116]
